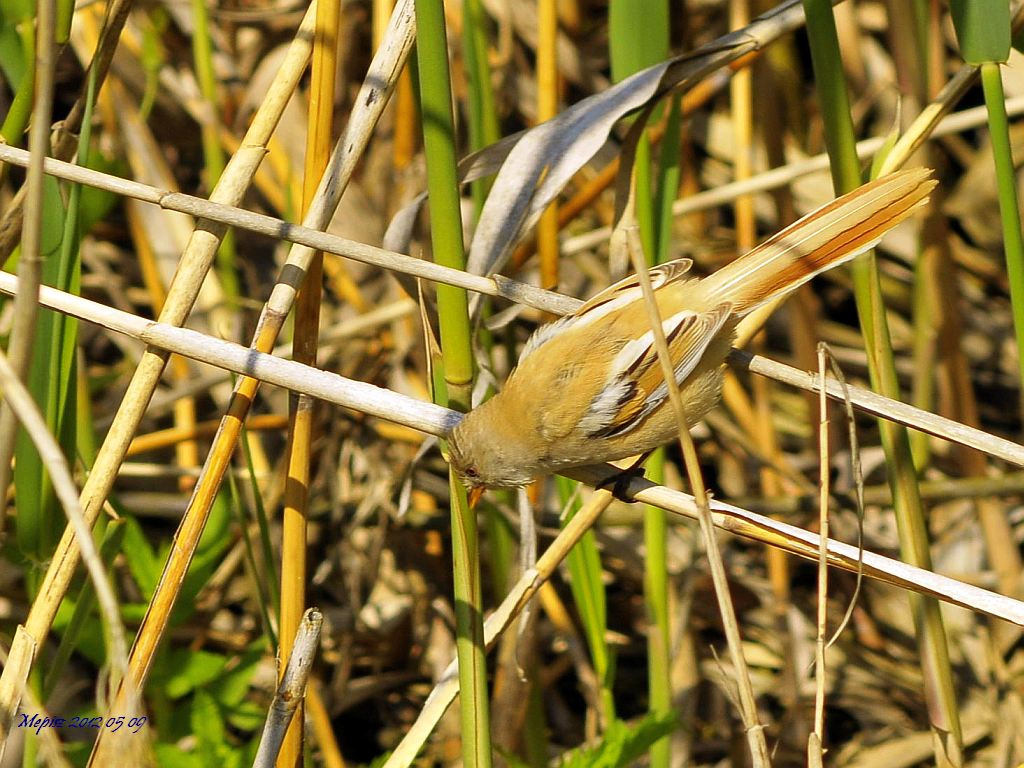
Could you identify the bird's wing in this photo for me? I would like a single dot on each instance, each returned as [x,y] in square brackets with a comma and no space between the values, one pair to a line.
[635,387]
[613,297]
[627,290]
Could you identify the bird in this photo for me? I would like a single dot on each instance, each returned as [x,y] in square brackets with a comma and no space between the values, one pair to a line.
[588,388]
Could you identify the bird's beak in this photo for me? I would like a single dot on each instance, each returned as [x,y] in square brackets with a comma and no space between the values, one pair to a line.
[474,495]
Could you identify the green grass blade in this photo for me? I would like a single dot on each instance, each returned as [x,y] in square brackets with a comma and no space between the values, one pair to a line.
[982,29]
[453,311]
[1009,206]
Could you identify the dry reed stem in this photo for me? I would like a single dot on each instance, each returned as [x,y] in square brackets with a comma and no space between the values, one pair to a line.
[22,340]
[775,178]
[24,407]
[725,516]
[195,262]
[746,702]
[925,124]
[320,122]
[814,744]
[819,387]
[491,286]
[432,419]
[438,420]
[371,101]
[519,595]
[291,691]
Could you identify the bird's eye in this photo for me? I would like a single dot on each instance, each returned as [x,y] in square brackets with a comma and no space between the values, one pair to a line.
[472,472]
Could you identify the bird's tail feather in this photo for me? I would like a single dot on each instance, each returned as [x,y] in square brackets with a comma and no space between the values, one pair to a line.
[827,237]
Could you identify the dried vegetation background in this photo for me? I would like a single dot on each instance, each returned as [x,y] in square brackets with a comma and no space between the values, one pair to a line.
[379,560]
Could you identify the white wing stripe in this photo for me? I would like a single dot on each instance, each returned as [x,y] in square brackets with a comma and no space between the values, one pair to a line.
[621,384]
[637,349]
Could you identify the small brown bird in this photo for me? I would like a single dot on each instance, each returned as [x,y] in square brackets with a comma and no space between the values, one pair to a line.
[588,387]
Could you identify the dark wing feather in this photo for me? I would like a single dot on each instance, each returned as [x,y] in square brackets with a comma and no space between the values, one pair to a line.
[635,387]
